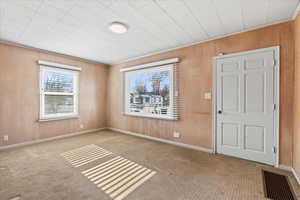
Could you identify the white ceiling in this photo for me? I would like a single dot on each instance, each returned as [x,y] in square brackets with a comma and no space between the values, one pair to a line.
[80,27]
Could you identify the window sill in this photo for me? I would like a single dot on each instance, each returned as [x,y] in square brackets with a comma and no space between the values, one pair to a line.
[151,117]
[58,118]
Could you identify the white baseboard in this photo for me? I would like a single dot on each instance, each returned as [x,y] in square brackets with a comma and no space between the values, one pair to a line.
[163,140]
[286,168]
[296,175]
[292,170]
[48,139]
[283,167]
[297,10]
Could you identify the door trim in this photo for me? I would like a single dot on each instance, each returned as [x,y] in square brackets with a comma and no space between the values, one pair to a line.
[276,50]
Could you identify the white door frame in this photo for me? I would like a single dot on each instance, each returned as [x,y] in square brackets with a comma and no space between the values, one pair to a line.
[276,50]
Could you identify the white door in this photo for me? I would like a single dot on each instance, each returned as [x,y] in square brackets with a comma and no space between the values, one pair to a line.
[245,105]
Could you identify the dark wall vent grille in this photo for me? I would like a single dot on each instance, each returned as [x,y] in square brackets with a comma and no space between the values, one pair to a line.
[277,187]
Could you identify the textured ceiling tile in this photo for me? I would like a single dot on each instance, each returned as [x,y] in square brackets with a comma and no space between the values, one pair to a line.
[32,4]
[49,11]
[280,10]
[153,13]
[64,5]
[183,17]
[230,14]
[80,27]
[206,14]
[17,12]
[255,15]
[128,13]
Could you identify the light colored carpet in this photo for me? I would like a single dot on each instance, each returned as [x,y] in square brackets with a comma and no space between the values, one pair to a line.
[84,155]
[118,177]
[39,172]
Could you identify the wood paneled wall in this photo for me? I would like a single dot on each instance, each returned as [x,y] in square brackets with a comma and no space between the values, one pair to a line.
[101,86]
[19,96]
[296,146]
[195,79]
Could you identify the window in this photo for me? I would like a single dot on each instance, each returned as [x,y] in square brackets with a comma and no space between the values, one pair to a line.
[149,92]
[58,93]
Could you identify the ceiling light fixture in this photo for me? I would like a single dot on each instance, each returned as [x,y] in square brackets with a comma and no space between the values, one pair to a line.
[118,27]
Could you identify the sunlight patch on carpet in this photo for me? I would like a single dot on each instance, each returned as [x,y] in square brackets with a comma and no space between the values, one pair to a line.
[118,177]
[84,155]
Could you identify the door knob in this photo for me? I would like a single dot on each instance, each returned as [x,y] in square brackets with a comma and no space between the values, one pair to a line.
[220,111]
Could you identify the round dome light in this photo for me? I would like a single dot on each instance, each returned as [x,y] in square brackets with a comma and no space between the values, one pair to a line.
[118,27]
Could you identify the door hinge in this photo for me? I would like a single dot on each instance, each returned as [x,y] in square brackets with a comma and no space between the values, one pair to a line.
[274,150]
[274,106]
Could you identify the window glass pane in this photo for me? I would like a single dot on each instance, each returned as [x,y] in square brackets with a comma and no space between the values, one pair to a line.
[58,82]
[55,104]
[149,93]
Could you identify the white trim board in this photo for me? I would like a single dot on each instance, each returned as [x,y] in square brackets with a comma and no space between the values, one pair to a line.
[58,65]
[292,170]
[2,41]
[198,42]
[296,176]
[16,44]
[60,69]
[285,168]
[152,64]
[188,146]
[48,139]
[297,10]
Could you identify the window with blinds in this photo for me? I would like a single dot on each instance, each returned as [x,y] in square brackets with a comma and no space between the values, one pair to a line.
[150,91]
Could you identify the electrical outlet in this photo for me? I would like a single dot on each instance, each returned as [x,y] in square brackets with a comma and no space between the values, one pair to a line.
[5,138]
[81,126]
[176,134]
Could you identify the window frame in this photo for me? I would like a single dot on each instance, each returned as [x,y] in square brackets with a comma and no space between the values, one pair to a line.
[75,94]
[172,89]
